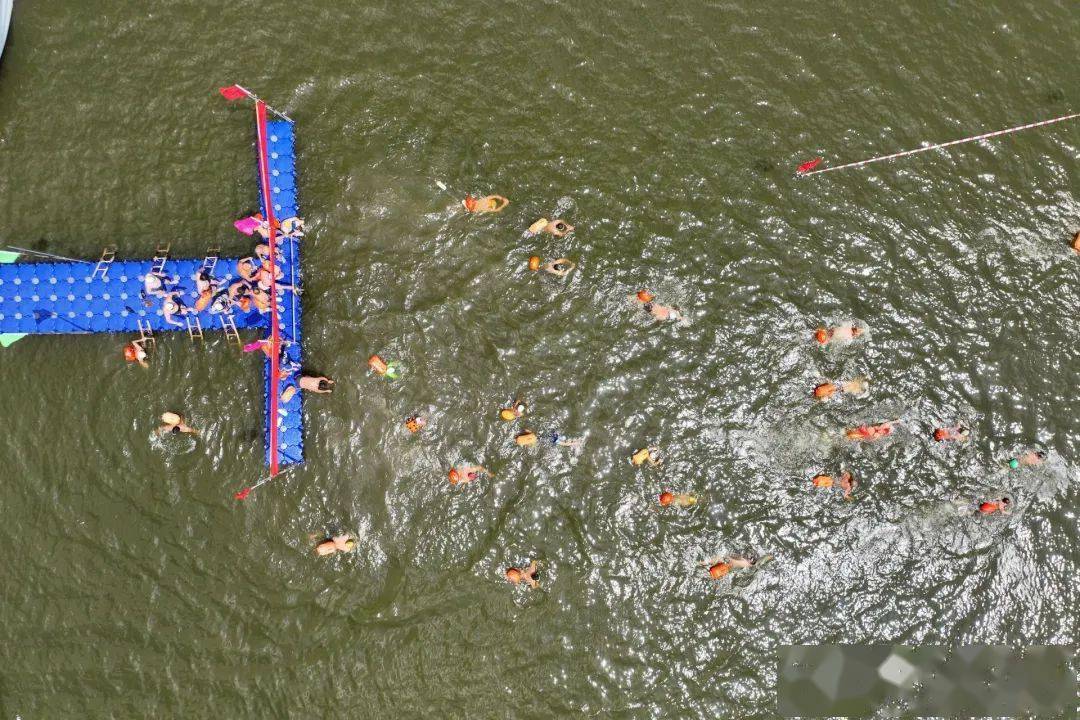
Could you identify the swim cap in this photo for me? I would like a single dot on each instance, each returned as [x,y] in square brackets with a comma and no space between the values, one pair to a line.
[645,296]
[719,570]
[507,414]
[513,575]
[666,498]
[640,456]
[1014,463]
[534,262]
[940,435]
[470,203]
[822,335]
[454,476]
[130,353]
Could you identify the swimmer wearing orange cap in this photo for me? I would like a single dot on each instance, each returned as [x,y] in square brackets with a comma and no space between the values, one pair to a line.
[677,499]
[822,481]
[869,433]
[1003,506]
[466,474]
[134,352]
[415,423]
[526,438]
[515,576]
[658,311]
[721,566]
[841,333]
[826,390]
[534,263]
[515,411]
[381,367]
[488,204]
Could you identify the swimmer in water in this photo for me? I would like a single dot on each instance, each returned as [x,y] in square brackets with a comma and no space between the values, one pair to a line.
[658,311]
[721,566]
[489,204]
[557,228]
[134,352]
[1076,242]
[335,544]
[561,267]
[515,411]
[858,386]
[559,440]
[957,433]
[534,262]
[869,433]
[415,423]
[646,455]
[822,481]
[466,474]
[381,367]
[840,333]
[174,425]
[1028,459]
[989,507]
[516,576]
[316,384]
[677,499]
[526,438]
[848,484]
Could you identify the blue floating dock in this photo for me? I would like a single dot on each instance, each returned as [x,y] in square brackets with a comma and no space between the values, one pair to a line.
[282,172]
[62,298]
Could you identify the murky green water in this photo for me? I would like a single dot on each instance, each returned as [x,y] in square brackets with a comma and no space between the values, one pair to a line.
[133,585]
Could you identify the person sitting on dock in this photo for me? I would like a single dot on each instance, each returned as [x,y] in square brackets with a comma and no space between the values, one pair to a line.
[489,204]
[247,269]
[205,287]
[171,306]
[292,227]
[174,424]
[156,284]
[134,352]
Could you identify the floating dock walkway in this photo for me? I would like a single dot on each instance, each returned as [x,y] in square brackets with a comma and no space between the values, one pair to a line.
[52,298]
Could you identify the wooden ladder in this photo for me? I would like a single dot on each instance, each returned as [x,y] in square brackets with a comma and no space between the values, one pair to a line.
[161,255]
[194,327]
[107,256]
[210,261]
[229,326]
[146,334]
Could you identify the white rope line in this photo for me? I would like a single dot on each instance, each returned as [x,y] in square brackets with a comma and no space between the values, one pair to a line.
[974,138]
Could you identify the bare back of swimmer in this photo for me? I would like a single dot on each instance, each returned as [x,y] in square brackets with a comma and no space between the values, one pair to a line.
[488,204]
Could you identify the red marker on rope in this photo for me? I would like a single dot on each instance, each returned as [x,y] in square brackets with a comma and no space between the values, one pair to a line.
[809,168]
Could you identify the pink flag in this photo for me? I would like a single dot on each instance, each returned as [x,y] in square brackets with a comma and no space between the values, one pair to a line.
[247,225]
[808,166]
[233,92]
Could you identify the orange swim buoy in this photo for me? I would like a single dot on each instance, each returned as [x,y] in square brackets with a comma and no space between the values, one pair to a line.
[645,296]
[204,300]
[719,570]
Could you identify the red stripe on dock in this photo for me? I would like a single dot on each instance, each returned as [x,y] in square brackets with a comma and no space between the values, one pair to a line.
[275,337]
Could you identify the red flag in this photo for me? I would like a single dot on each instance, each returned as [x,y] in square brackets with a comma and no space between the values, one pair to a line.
[233,92]
[242,494]
[808,166]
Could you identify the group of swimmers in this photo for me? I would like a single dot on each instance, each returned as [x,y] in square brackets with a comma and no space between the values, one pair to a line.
[873,432]
[250,290]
